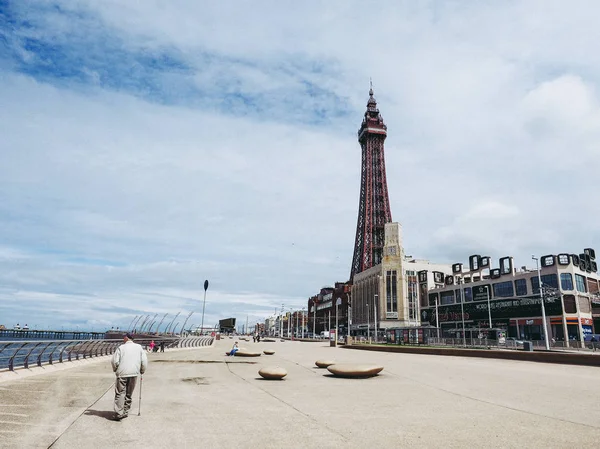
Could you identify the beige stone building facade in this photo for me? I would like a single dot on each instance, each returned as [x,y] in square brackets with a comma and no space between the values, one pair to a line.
[388,295]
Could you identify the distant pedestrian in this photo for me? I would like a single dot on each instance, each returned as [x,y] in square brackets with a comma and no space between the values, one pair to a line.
[152,344]
[162,346]
[128,362]
[235,349]
[593,341]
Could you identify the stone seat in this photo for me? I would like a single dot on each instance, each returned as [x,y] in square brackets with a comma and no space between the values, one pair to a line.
[324,363]
[354,370]
[272,372]
[267,352]
[244,353]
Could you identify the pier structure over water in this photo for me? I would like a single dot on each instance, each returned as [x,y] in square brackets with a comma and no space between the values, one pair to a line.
[49,334]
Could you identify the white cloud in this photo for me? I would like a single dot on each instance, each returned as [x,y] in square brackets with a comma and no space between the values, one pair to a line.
[146,147]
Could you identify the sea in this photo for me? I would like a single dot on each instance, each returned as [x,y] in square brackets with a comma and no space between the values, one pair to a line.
[19,348]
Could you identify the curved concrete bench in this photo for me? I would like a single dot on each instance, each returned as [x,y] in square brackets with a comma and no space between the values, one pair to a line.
[352,370]
[272,372]
[324,363]
[242,353]
[267,352]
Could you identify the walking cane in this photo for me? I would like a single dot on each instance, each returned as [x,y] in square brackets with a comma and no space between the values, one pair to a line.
[140,402]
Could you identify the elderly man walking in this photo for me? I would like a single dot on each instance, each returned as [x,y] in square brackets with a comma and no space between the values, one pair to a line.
[128,362]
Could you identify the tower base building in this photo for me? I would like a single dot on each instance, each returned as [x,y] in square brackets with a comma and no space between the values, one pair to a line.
[388,294]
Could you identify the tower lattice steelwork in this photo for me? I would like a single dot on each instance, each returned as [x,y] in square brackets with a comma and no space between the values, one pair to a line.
[374,205]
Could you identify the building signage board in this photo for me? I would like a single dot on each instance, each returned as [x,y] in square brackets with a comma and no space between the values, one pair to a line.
[391,315]
[481,292]
[325,305]
[503,308]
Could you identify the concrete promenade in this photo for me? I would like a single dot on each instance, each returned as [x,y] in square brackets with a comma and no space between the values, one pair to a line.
[200,398]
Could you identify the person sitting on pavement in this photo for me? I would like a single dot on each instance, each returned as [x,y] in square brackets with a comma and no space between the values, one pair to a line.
[128,362]
[235,349]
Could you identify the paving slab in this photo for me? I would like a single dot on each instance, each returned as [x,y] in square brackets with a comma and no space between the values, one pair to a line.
[201,398]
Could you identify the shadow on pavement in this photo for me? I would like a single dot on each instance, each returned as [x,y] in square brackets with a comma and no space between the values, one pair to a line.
[106,414]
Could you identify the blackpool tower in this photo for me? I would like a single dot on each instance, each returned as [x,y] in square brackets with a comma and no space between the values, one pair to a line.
[374,204]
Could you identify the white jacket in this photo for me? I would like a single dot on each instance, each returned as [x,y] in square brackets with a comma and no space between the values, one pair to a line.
[129,360]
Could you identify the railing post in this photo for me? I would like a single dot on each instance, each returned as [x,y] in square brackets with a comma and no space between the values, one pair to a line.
[39,359]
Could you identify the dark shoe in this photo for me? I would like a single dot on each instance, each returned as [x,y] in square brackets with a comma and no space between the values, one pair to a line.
[118,417]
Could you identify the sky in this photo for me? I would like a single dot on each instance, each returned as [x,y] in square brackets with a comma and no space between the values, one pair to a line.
[146,146]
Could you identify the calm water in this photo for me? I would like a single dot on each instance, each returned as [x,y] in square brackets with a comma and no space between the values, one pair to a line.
[7,351]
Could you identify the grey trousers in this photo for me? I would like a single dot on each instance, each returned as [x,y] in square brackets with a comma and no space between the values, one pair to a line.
[124,387]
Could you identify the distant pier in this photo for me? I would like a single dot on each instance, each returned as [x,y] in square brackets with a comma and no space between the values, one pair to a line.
[50,335]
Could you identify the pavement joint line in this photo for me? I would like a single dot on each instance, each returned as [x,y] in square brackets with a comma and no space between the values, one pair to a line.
[26,424]
[17,405]
[111,386]
[483,401]
[27,390]
[14,414]
[319,423]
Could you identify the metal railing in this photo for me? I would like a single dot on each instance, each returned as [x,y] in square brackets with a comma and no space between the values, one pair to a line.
[22,354]
[25,353]
[512,344]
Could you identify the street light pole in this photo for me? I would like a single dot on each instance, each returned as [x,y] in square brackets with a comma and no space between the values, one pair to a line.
[437,319]
[203,306]
[462,313]
[489,293]
[368,324]
[375,316]
[302,322]
[537,263]
[314,320]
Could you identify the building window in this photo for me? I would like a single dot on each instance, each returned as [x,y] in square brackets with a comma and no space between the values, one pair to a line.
[412,295]
[503,289]
[447,297]
[458,294]
[468,294]
[570,304]
[521,287]
[580,283]
[548,280]
[433,298]
[566,281]
[391,291]
[388,290]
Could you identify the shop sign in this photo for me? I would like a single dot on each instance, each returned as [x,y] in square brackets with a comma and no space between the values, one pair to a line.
[586,322]
[481,293]
[391,315]
[501,309]
[325,305]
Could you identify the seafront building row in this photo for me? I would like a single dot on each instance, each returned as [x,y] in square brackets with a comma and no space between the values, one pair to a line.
[402,293]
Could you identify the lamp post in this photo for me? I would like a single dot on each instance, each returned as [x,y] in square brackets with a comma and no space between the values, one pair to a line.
[302,322]
[437,319]
[375,316]
[349,316]
[537,263]
[289,322]
[462,314]
[314,320]
[203,306]
[368,324]
[489,305]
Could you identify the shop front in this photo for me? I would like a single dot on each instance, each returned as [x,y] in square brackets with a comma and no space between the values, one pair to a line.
[519,317]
